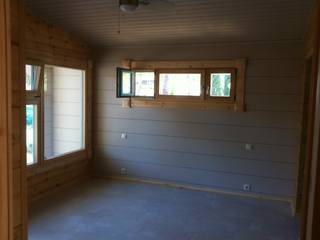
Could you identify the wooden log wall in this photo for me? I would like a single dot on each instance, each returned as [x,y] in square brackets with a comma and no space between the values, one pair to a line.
[52,45]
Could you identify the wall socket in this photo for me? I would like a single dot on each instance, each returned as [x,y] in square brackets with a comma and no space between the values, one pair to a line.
[123,136]
[248,147]
[246,187]
[123,171]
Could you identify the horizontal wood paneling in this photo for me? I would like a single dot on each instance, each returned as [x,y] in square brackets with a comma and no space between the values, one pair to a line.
[266,119]
[267,136]
[54,46]
[195,177]
[50,181]
[204,162]
[200,147]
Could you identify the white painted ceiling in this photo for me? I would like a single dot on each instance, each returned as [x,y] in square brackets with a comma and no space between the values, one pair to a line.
[189,21]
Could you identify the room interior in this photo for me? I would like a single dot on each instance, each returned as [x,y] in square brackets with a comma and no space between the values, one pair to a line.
[159,119]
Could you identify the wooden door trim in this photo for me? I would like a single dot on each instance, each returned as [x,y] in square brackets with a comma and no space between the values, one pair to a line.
[6,221]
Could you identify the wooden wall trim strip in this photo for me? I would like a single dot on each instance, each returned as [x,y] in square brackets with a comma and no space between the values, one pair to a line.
[6,224]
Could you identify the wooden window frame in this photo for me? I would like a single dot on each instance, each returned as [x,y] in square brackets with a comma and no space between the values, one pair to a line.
[236,102]
[174,98]
[45,164]
[150,98]
[34,97]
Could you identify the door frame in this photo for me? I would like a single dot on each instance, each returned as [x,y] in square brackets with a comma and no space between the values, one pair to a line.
[6,188]
[310,225]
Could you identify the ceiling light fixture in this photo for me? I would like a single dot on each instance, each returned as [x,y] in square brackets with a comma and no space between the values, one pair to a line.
[128,5]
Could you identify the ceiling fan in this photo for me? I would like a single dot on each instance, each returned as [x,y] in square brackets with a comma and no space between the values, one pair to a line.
[131,5]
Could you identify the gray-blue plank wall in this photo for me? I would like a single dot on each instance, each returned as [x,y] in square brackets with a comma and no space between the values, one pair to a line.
[206,148]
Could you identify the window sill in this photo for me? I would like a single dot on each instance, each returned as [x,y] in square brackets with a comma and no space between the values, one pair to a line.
[47,165]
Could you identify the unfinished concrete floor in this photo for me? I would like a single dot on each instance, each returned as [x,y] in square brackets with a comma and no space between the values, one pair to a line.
[120,210]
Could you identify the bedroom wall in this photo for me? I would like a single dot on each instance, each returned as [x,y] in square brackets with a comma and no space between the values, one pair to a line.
[206,148]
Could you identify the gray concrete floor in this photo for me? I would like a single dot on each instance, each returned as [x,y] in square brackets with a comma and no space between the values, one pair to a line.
[101,209]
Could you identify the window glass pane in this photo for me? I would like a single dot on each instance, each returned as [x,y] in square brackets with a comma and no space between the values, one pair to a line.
[180,84]
[220,85]
[31,134]
[126,83]
[144,84]
[63,111]
[32,77]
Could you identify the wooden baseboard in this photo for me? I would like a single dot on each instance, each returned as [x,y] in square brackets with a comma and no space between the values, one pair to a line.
[203,189]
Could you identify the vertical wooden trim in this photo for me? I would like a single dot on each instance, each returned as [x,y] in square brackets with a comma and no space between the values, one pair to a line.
[88,109]
[6,221]
[126,63]
[315,234]
[240,88]
[310,131]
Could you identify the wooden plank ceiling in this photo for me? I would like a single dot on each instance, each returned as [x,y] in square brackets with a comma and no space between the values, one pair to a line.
[188,21]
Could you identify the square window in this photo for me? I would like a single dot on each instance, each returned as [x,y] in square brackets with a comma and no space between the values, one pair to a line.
[220,84]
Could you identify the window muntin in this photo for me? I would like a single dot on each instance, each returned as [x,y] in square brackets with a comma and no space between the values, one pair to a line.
[144,84]
[31,133]
[32,77]
[63,111]
[180,84]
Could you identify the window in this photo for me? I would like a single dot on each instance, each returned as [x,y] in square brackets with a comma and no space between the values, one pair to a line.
[137,83]
[32,77]
[63,111]
[31,133]
[55,112]
[144,84]
[33,74]
[180,84]
[222,84]
[217,84]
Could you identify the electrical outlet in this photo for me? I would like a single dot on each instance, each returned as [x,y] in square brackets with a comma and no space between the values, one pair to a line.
[123,171]
[124,136]
[248,147]
[246,187]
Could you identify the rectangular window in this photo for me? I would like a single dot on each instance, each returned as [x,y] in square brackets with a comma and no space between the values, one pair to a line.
[220,84]
[31,133]
[180,84]
[32,77]
[125,83]
[144,84]
[209,84]
[63,111]
[135,83]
